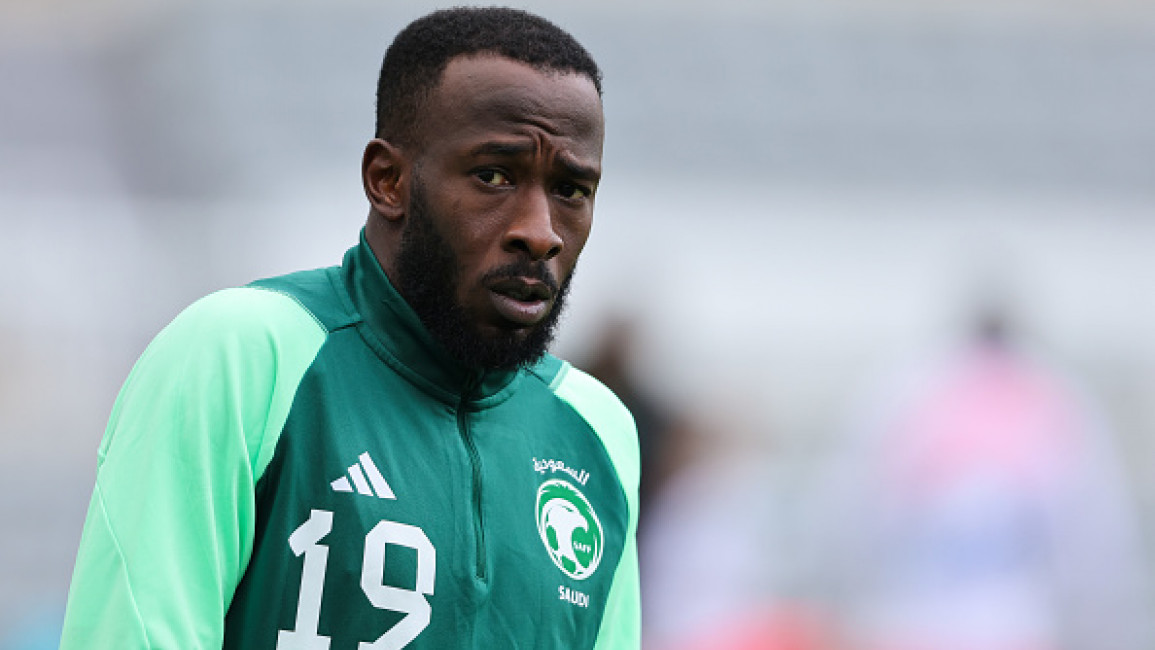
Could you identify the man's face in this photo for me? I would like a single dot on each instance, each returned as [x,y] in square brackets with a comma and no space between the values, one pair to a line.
[501,204]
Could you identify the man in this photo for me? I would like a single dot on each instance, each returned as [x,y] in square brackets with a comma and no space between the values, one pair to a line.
[381,454]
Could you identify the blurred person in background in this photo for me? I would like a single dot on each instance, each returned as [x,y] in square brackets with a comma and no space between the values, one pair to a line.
[382,454]
[982,507]
[716,548]
[705,550]
[662,432]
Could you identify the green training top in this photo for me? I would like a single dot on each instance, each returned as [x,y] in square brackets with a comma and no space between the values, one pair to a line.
[297,465]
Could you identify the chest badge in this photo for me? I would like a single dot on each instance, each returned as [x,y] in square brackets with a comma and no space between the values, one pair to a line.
[569,528]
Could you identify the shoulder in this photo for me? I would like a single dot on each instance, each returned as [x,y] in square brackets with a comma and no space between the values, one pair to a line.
[600,408]
[232,358]
[243,312]
[239,323]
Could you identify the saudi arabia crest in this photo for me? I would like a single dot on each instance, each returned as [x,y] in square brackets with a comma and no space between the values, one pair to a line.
[569,528]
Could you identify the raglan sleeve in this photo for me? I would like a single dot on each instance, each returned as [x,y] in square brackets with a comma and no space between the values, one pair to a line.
[170,526]
[622,619]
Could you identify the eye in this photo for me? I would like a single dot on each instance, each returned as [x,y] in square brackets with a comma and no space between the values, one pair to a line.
[493,177]
[572,191]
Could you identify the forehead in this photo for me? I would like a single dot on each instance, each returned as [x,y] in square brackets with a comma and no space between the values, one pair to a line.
[487,94]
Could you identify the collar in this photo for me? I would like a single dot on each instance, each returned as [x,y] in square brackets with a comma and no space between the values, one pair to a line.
[396,334]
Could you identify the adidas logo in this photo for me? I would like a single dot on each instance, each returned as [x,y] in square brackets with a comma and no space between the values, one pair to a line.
[366,478]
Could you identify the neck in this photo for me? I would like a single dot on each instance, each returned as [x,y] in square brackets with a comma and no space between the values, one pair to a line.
[384,239]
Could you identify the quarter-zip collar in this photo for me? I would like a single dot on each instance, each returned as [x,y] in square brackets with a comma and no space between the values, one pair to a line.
[393,330]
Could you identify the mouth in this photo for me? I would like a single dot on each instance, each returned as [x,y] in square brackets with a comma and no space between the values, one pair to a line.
[520,300]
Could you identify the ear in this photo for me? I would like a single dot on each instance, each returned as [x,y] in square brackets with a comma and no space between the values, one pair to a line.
[385,175]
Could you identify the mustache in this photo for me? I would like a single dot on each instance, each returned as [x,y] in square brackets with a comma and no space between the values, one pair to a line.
[524,269]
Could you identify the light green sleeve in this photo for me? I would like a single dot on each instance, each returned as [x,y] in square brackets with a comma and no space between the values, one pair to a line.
[170,527]
[621,623]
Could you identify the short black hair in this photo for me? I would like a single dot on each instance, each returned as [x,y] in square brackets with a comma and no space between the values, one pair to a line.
[414,63]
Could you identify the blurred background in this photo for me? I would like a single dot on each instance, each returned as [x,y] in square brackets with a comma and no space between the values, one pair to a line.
[875,276]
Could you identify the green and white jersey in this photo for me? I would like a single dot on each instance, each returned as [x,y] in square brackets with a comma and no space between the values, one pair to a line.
[297,465]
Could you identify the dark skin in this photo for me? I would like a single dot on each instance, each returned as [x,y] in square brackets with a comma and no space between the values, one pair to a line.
[509,157]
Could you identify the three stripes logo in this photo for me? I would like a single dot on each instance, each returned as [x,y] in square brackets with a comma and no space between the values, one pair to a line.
[366,479]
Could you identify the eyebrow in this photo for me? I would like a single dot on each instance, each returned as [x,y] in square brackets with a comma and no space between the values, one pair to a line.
[502,149]
[578,170]
[514,149]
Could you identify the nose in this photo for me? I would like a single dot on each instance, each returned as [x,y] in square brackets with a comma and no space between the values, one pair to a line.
[531,230]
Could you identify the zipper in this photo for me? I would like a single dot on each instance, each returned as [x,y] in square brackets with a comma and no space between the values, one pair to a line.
[475,467]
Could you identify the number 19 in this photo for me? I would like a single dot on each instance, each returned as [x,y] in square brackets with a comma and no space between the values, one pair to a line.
[413,603]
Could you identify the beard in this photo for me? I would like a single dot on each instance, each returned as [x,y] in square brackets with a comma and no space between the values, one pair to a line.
[428,279]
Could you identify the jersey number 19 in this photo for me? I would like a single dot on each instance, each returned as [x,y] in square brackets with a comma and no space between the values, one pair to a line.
[413,603]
